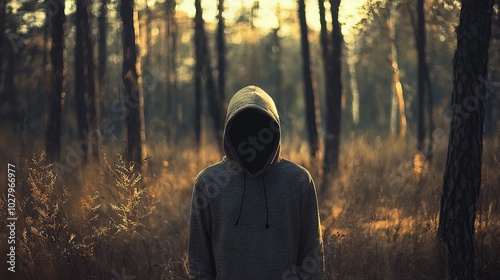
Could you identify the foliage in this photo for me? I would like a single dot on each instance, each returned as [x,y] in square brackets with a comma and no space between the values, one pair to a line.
[378,221]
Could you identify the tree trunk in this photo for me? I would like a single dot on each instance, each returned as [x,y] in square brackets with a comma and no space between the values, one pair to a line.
[424,91]
[80,80]
[393,120]
[134,98]
[10,88]
[85,91]
[172,98]
[420,42]
[396,83]
[221,51]
[278,70]
[325,48]
[430,109]
[3,6]
[102,55]
[351,62]
[56,94]
[462,177]
[214,100]
[333,99]
[491,110]
[198,72]
[90,85]
[425,73]
[253,63]
[309,100]
[276,55]
[45,87]
[147,27]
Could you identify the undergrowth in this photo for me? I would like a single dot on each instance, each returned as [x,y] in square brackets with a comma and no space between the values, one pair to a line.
[107,221]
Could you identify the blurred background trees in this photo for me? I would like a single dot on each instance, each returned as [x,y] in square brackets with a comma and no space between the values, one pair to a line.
[376,68]
[384,62]
[252,42]
[88,79]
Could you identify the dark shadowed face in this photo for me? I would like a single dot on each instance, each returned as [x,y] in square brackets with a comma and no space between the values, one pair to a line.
[254,137]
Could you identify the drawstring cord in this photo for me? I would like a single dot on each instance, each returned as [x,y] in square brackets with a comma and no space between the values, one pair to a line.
[265,196]
[242,197]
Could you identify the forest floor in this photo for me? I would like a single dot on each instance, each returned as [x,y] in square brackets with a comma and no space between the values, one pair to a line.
[105,221]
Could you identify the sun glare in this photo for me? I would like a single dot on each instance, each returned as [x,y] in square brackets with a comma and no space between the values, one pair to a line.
[267,14]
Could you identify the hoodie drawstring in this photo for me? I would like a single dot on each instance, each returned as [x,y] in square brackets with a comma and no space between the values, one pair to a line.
[265,196]
[243,197]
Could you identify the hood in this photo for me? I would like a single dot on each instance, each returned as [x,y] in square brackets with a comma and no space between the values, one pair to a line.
[252,131]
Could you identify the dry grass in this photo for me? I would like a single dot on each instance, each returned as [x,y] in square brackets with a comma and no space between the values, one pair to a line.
[107,221]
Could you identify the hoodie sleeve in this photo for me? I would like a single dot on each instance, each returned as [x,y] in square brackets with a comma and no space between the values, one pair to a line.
[200,256]
[310,257]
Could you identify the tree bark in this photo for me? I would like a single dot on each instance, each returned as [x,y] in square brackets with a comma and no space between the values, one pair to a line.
[198,72]
[85,91]
[333,99]
[309,99]
[351,62]
[56,94]
[3,6]
[491,110]
[396,83]
[424,90]
[131,73]
[215,103]
[276,56]
[90,85]
[80,80]
[172,95]
[221,51]
[462,177]
[147,27]
[420,42]
[102,53]
[10,88]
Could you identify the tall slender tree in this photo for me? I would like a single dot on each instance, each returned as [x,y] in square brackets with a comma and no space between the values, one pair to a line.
[3,8]
[491,109]
[147,29]
[462,177]
[80,79]
[309,98]
[198,72]
[424,88]
[102,52]
[276,51]
[221,50]
[333,96]
[131,74]
[90,84]
[397,89]
[171,65]
[85,84]
[353,83]
[215,102]
[56,94]
[420,42]
[9,88]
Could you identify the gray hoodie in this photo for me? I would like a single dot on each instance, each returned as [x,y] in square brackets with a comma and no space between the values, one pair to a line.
[254,215]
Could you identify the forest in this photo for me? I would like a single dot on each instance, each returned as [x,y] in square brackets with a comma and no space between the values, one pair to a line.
[110,108]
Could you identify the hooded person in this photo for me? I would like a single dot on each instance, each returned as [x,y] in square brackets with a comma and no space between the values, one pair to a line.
[254,215]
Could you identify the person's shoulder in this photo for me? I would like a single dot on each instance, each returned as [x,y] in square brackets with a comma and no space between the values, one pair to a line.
[212,172]
[294,169]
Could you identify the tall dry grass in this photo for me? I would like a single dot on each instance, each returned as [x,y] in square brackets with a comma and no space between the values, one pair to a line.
[106,221]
